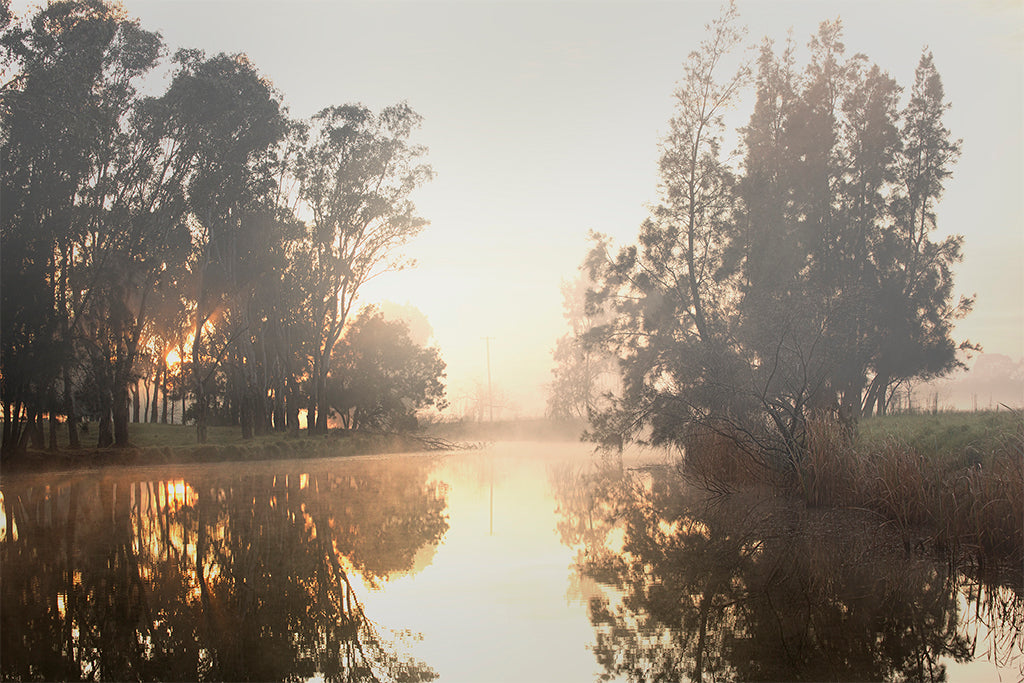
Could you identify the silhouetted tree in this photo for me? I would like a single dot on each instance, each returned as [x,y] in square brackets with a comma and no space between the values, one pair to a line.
[584,367]
[357,174]
[380,378]
[82,233]
[669,295]
[916,288]
[808,281]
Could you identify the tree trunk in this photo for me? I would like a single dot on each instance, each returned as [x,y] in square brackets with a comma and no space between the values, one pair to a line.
[197,376]
[8,429]
[121,414]
[37,432]
[163,391]
[106,426]
[136,403]
[53,430]
[245,416]
[156,391]
[322,407]
[17,429]
[311,416]
[876,395]
[26,430]
[70,411]
[292,407]
[278,415]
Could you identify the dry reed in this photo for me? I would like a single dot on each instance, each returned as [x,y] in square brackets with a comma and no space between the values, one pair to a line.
[958,484]
[720,458]
[963,499]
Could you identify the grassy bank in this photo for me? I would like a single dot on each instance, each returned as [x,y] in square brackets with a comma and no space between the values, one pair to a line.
[959,477]
[153,444]
[955,480]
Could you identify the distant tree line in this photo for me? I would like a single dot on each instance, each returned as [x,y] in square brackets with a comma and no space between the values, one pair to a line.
[199,240]
[804,277]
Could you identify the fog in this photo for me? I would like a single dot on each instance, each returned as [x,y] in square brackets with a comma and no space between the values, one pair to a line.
[543,122]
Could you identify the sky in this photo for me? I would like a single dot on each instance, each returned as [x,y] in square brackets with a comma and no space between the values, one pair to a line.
[543,120]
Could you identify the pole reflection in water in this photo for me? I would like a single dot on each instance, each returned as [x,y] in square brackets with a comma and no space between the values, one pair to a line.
[522,562]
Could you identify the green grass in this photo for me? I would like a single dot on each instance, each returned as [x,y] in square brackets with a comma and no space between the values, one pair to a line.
[147,434]
[959,438]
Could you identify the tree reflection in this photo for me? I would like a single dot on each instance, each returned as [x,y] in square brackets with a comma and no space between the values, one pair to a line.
[234,578]
[737,589]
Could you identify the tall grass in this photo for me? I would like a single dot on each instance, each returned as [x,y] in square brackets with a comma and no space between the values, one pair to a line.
[959,481]
[721,459]
[956,480]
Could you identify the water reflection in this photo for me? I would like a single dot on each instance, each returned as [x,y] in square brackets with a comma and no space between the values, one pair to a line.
[737,589]
[551,570]
[214,576]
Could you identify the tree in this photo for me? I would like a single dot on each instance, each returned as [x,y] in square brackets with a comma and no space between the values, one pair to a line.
[916,272]
[807,282]
[121,215]
[380,378]
[357,174]
[669,295]
[583,368]
[77,201]
[224,117]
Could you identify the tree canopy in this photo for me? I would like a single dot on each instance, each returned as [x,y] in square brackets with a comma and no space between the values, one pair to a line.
[807,276]
[197,244]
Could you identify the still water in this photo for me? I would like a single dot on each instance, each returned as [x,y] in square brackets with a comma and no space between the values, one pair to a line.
[517,562]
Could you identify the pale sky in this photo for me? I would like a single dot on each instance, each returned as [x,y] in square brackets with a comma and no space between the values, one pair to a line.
[543,121]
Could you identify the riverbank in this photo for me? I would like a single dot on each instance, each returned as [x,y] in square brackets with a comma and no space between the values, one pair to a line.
[159,444]
[951,480]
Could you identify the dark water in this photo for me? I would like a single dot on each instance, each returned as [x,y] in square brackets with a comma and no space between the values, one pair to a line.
[521,562]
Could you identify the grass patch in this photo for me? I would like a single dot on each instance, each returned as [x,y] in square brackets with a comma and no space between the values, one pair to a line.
[145,434]
[959,439]
[163,444]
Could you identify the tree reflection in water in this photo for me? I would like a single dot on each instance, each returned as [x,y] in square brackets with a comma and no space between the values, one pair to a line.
[733,588]
[237,577]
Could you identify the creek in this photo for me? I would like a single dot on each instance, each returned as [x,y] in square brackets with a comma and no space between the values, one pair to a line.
[520,561]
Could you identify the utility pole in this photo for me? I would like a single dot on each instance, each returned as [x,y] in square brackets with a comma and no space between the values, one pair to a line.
[490,395]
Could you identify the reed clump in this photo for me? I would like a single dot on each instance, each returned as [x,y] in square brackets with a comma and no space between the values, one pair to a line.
[721,458]
[828,472]
[963,493]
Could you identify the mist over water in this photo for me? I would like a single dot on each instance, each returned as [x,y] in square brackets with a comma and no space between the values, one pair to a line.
[520,561]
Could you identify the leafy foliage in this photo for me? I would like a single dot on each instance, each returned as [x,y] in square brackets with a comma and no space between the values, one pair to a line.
[381,378]
[805,280]
[139,227]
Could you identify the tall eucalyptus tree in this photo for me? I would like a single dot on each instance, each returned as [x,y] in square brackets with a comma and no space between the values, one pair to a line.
[357,174]
[71,188]
[669,294]
[224,118]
